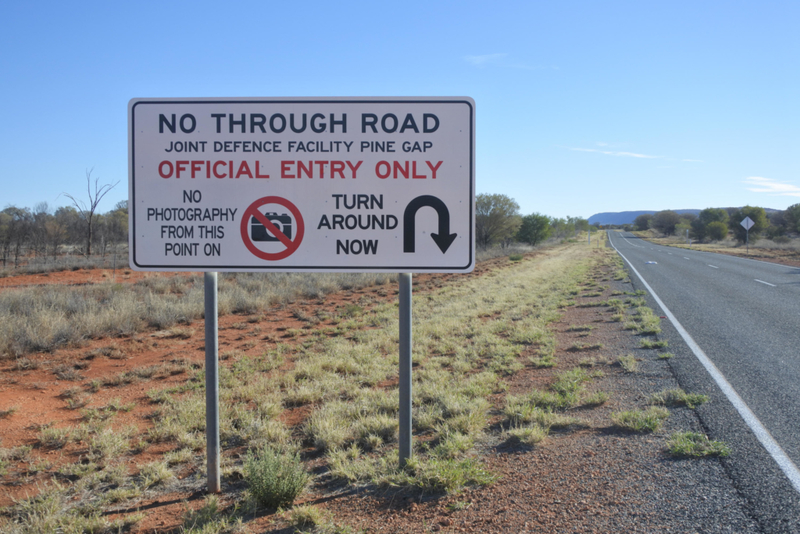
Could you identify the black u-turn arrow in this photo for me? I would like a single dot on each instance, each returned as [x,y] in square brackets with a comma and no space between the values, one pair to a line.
[443,239]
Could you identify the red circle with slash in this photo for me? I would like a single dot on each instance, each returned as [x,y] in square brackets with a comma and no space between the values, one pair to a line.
[291,244]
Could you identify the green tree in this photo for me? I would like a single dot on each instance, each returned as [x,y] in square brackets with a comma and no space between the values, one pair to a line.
[642,222]
[118,222]
[16,227]
[581,225]
[717,230]
[665,221]
[681,227]
[5,234]
[534,229]
[756,214]
[558,227]
[55,235]
[69,219]
[564,228]
[792,218]
[496,219]
[706,217]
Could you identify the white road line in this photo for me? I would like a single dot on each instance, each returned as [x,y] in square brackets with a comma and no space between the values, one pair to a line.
[685,258]
[763,282]
[762,434]
[713,266]
[628,242]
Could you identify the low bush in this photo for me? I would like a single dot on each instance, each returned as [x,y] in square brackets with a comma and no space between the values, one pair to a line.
[275,479]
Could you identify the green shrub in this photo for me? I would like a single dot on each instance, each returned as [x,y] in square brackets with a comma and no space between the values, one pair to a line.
[275,479]
[304,517]
[717,230]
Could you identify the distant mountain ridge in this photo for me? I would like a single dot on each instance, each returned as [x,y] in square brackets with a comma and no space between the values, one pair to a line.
[627,217]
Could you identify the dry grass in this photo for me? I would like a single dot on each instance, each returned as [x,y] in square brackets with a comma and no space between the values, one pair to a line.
[470,335]
[41,319]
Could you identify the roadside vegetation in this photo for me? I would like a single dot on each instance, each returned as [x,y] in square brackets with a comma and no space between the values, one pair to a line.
[317,407]
[695,445]
[774,233]
[470,339]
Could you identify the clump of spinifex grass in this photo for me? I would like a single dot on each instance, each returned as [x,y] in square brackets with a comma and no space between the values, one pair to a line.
[696,445]
[531,416]
[578,347]
[649,420]
[644,322]
[529,434]
[629,363]
[678,397]
[580,328]
[8,412]
[569,385]
[596,399]
[648,344]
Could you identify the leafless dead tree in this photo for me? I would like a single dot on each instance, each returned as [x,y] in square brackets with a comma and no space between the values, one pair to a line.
[87,211]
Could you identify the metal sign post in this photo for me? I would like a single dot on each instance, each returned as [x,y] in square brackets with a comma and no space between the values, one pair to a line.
[747,223]
[212,382]
[405,368]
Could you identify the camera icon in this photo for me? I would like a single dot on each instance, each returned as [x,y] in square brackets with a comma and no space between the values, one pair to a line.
[258,232]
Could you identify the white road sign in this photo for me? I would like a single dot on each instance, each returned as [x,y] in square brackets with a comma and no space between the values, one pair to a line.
[747,223]
[302,184]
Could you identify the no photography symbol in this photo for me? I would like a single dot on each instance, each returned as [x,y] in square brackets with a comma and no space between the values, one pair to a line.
[291,245]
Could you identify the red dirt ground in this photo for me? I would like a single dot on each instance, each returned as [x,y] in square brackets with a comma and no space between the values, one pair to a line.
[570,483]
[37,393]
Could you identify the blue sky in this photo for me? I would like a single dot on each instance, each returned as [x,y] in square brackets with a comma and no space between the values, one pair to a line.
[582,107]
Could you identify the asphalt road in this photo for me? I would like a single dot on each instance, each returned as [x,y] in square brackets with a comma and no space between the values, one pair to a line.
[745,316]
